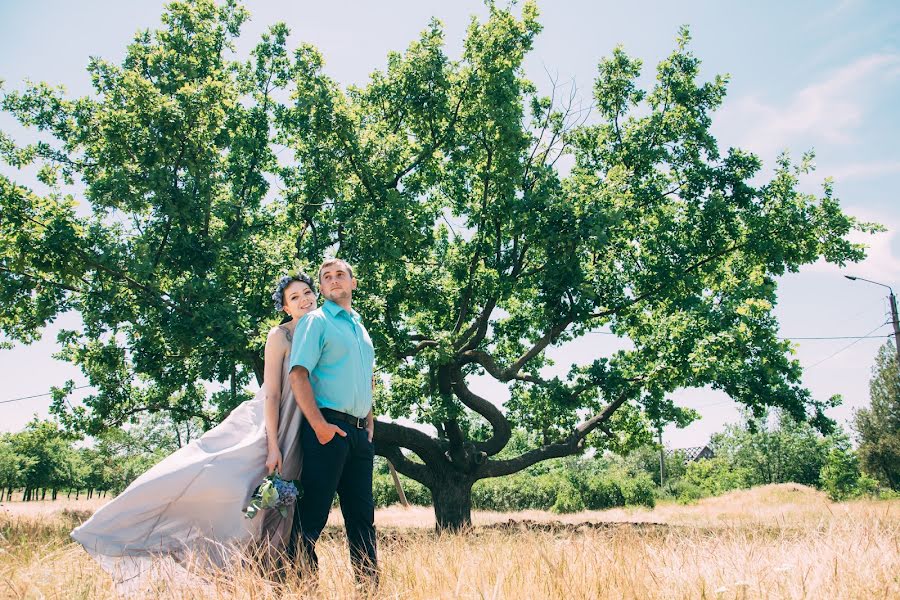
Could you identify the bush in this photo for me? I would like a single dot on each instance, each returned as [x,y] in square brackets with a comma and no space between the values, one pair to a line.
[602,491]
[564,490]
[385,493]
[840,476]
[639,491]
[716,476]
[568,499]
[516,492]
[683,491]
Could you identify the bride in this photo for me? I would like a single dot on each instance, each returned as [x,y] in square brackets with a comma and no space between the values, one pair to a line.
[188,506]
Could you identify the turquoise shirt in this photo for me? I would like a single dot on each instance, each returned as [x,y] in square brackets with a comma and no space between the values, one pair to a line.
[334,347]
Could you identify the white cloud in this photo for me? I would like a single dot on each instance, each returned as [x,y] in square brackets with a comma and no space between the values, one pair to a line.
[881,263]
[827,111]
[863,170]
[839,9]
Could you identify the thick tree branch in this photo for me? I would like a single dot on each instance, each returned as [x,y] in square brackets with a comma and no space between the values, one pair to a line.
[513,370]
[490,365]
[567,447]
[418,348]
[478,329]
[394,434]
[413,470]
[498,421]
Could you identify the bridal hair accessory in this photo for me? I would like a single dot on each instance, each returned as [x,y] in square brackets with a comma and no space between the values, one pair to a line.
[278,294]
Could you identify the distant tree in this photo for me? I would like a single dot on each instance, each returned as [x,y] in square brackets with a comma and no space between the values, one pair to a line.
[774,451]
[841,477]
[13,467]
[49,451]
[646,459]
[878,426]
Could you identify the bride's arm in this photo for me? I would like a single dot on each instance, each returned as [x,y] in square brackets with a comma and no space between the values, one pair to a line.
[276,346]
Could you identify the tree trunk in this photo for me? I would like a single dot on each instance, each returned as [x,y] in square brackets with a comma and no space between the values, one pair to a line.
[452,498]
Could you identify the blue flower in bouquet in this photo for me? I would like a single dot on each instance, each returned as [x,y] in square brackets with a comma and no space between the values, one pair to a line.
[273,492]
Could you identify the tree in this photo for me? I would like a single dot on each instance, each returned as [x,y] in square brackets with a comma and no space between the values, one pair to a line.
[13,467]
[878,427]
[440,181]
[774,452]
[841,477]
[48,453]
[170,270]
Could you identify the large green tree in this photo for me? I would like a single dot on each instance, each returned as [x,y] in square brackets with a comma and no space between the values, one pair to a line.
[441,180]
[170,268]
[878,426]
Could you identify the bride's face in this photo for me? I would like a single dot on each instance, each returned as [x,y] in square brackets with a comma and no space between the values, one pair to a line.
[299,299]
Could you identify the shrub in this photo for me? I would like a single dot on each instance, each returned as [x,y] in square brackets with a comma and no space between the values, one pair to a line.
[516,492]
[840,476]
[568,498]
[717,475]
[385,493]
[684,491]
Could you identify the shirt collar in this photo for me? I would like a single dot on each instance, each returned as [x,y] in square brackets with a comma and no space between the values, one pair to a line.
[334,309]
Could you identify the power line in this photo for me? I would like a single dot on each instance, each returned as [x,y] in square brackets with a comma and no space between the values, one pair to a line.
[40,395]
[827,337]
[846,347]
[839,337]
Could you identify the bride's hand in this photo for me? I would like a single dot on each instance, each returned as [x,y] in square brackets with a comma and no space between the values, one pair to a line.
[273,460]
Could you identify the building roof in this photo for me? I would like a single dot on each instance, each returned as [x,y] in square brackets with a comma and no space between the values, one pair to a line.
[693,453]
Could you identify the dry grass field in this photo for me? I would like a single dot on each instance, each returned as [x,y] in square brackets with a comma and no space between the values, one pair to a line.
[783,541]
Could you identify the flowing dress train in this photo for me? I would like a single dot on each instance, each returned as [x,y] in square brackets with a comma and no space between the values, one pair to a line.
[187,507]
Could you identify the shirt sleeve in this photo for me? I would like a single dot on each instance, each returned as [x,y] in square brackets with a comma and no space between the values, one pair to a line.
[306,348]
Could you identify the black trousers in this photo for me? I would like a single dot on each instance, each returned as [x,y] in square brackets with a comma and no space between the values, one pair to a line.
[343,465]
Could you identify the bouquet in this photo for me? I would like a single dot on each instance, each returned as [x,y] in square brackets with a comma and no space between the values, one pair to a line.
[273,492]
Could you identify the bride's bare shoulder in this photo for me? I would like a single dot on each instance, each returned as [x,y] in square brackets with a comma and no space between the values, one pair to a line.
[279,337]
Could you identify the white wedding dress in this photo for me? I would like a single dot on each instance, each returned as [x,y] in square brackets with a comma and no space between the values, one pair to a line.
[186,510]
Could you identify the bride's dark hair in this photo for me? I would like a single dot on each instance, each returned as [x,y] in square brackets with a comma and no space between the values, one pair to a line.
[278,294]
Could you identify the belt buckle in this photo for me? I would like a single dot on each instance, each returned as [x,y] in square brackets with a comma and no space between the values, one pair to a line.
[360,423]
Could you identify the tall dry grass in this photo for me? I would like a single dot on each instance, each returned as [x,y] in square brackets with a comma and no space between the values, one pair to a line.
[783,541]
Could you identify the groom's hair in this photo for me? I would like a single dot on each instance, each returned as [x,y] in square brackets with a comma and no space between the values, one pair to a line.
[336,261]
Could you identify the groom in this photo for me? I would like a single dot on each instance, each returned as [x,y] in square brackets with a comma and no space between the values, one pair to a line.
[332,360]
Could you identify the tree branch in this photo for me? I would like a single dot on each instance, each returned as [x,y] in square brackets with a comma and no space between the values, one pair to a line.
[659,288]
[57,284]
[394,434]
[435,144]
[567,447]
[498,421]
[480,327]
[413,470]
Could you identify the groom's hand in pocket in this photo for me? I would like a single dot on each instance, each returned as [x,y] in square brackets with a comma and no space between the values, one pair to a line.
[326,432]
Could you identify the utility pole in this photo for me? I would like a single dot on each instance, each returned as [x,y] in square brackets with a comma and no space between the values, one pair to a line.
[894,320]
[896,324]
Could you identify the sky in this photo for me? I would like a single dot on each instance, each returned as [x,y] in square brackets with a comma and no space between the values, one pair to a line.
[804,75]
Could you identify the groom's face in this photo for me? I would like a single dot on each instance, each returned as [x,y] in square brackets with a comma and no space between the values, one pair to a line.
[336,282]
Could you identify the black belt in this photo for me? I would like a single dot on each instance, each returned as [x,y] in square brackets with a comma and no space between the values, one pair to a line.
[358,422]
